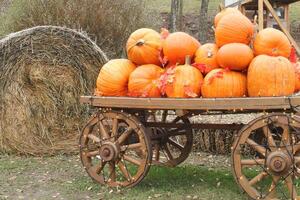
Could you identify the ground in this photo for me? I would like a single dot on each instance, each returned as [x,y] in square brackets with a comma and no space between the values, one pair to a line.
[202,176]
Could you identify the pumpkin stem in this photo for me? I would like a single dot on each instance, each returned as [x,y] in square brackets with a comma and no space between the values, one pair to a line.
[188,60]
[140,42]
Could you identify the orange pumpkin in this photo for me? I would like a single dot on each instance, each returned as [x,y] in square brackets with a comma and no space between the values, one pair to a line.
[235,56]
[272,42]
[224,12]
[113,78]
[297,71]
[144,81]
[178,45]
[183,81]
[234,28]
[270,76]
[144,47]
[221,83]
[206,56]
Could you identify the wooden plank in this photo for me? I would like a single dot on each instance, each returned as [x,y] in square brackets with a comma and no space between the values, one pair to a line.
[210,126]
[218,104]
[287,33]
[260,15]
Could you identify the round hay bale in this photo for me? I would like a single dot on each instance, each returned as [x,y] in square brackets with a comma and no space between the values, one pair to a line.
[43,72]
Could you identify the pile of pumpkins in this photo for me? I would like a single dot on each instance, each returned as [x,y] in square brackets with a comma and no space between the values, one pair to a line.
[176,65]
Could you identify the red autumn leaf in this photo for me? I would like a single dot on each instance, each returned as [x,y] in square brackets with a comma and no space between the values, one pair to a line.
[293,55]
[165,79]
[219,74]
[201,67]
[189,92]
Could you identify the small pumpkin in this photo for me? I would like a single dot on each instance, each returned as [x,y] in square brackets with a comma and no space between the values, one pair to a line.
[183,81]
[270,76]
[272,42]
[206,56]
[235,56]
[178,45]
[224,12]
[113,78]
[297,71]
[222,83]
[144,47]
[234,28]
[144,81]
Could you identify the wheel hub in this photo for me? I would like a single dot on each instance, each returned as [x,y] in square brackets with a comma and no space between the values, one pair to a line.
[109,152]
[279,163]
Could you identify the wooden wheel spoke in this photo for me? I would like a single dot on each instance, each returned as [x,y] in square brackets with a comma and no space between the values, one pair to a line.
[112,172]
[272,190]
[157,152]
[97,168]
[92,153]
[114,127]
[258,178]
[168,153]
[260,149]
[285,138]
[94,138]
[124,171]
[297,159]
[270,139]
[132,160]
[296,148]
[175,144]
[291,187]
[135,146]
[252,162]
[103,131]
[124,135]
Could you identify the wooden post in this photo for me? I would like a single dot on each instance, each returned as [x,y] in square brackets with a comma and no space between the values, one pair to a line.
[260,15]
[286,16]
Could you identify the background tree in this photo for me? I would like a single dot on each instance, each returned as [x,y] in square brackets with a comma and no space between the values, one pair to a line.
[176,15]
[204,26]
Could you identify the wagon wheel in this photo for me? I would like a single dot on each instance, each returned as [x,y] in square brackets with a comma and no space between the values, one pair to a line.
[266,159]
[115,150]
[174,143]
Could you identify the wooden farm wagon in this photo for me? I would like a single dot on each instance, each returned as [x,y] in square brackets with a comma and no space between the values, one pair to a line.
[125,136]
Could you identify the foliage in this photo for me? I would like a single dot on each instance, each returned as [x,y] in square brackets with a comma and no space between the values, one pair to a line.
[108,22]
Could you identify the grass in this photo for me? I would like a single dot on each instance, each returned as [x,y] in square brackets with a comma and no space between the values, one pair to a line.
[64,178]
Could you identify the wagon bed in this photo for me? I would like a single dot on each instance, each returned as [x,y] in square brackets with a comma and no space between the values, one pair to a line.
[200,104]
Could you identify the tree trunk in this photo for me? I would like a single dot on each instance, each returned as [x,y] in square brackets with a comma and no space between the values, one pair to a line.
[176,15]
[204,27]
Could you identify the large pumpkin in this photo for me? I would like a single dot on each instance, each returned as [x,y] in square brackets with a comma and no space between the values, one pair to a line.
[144,81]
[234,28]
[206,57]
[113,78]
[183,81]
[272,42]
[224,12]
[178,45]
[297,71]
[221,83]
[270,76]
[235,56]
[144,47]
